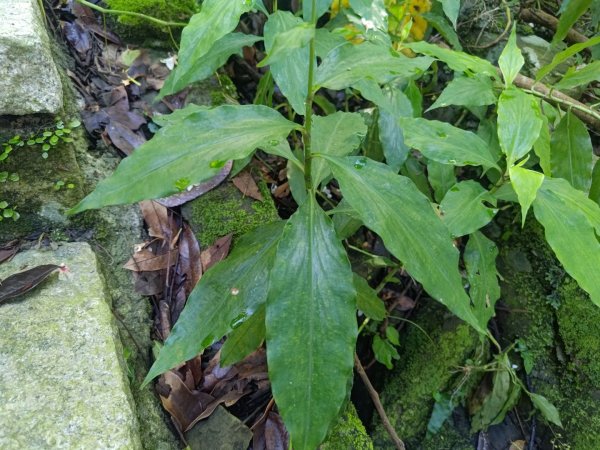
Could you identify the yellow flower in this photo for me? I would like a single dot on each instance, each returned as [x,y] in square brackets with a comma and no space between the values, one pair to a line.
[337,4]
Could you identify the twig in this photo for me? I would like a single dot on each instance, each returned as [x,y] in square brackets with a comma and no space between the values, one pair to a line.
[501,36]
[378,406]
[551,22]
[132,14]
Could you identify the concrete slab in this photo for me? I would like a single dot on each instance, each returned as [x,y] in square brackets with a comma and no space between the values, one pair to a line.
[62,383]
[29,80]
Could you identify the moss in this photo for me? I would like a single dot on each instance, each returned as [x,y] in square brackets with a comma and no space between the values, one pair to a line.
[348,433]
[226,210]
[561,328]
[427,365]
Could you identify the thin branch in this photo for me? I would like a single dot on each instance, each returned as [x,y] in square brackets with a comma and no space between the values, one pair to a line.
[132,14]
[377,402]
[551,22]
[501,36]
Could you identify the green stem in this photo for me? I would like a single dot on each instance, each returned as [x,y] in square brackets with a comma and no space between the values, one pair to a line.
[132,14]
[306,135]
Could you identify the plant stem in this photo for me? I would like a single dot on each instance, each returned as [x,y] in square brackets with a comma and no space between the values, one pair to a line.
[306,135]
[130,13]
[377,402]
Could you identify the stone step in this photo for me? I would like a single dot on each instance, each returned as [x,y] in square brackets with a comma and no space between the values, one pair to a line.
[63,382]
[29,80]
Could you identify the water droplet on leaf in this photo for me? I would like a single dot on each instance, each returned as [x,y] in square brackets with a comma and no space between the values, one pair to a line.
[216,164]
[238,320]
[234,291]
[360,163]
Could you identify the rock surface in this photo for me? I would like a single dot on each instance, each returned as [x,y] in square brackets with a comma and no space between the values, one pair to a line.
[62,378]
[29,80]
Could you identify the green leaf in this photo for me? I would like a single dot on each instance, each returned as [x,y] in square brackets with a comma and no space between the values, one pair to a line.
[441,24]
[392,206]
[564,55]
[442,410]
[225,296]
[348,64]
[283,42]
[451,9]
[467,91]
[244,339]
[384,351]
[463,208]
[290,72]
[322,7]
[337,135]
[542,148]
[547,409]
[511,60]
[458,61]
[441,177]
[396,105]
[526,183]
[480,261]
[519,123]
[195,147]
[572,12]
[311,325]
[414,169]
[580,76]
[445,143]
[392,335]
[373,12]
[571,221]
[367,300]
[572,152]
[199,40]
[325,41]
[595,188]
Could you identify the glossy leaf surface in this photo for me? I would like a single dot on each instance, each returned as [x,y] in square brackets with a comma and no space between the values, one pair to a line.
[571,221]
[547,409]
[458,61]
[338,134]
[441,177]
[467,91]
[576,76]
[213,22]
[225,297]
[367,300]
[290,72]
[572,153]
[311,325]
[464,208]
[244,339]
[195,147]
[445,143]
[451,9]
[511,60]
[519,123]
[564,55]
[480,261]
[393,207]
[526,183]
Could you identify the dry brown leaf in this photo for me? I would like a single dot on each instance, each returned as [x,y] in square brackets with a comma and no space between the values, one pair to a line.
[22,282]
[282,190]
[518,445]
[247,186]
[146,260]
[216,252]
[157,219]
[190,262]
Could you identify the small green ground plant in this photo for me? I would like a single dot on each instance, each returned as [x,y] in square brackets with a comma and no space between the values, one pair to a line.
[290,282]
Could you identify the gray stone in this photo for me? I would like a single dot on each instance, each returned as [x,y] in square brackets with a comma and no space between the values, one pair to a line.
[62,380]
[29,80]
[221,431]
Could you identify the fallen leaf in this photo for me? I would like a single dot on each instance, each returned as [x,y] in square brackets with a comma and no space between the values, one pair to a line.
[22,282]
[518,445]
[157,219]
[189,258]
[247,186]
[8,250]
[271,434]
[216,252]
[146,260]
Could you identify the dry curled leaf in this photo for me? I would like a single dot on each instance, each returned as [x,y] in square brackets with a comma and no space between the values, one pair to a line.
[216,252]
[145,260]
[247,186]
[22,282]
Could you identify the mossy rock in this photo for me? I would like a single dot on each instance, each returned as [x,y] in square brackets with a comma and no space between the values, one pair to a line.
[348,432]
[560,327]
[429,362]
[226,210]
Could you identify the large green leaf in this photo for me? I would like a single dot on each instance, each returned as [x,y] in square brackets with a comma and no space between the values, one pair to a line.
[195,147]
[215,20]
[367,300]
[395,104]
[284,42]
[458,61]
[542,148]
[595,188]
[511,60]
[244,339]
[223,299]
[579,76]
[571,221]
[572,153]
[445,143]
[480,262]
[519,123]
[526,183]
[442,26]
[338,134]
[464,208]
[467,91]
[311,325]
[451,9]
[441,177]
[572,12]
[393,207]
[291,71]
[322,7]
[348,64]
[372,12]
[564,55]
